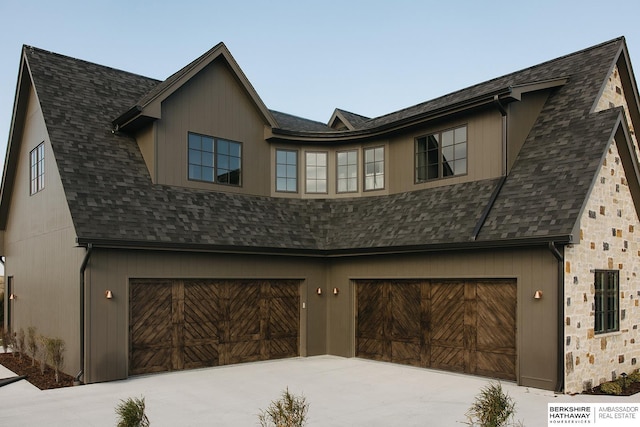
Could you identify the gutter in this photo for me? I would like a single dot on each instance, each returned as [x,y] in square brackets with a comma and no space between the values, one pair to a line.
[83,268]
[496,191]
[560,352]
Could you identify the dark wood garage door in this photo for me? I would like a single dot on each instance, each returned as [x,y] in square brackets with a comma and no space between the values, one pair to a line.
[185,324]
[461,326]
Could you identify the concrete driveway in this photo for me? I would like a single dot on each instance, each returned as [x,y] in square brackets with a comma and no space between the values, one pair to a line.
[341,392]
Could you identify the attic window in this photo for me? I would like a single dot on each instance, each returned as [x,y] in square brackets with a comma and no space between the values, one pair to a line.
[441,154]
[214,160]
[37,168]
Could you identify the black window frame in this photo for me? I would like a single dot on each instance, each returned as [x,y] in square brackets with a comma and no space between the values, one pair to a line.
[606,301]
[224,153]
[430,163]
[36,169]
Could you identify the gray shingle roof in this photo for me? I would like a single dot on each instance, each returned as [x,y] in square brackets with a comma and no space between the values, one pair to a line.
[111,197]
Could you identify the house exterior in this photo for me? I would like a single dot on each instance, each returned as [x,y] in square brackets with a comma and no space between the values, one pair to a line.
[166,225]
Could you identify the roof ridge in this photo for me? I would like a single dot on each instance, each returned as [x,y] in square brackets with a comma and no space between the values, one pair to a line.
[84,61]
[485,82]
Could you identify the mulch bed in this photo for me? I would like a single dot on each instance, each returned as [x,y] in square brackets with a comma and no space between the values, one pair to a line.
[22,366]
[631,389]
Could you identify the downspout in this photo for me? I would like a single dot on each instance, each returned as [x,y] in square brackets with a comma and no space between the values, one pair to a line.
[496,191]
[83,267]
[560,352]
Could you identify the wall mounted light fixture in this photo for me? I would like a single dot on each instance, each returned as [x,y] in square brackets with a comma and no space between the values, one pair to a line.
[538,294]
[319,291]
[336,291]
[108,294]
[12,296]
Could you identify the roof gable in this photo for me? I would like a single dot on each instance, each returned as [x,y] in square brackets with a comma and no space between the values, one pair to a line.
[113,201]
[149,105]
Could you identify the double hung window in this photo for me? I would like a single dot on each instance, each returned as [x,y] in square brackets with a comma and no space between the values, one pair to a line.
[316,172]
[373,168]
[607,298]
[287,171]
[347,164]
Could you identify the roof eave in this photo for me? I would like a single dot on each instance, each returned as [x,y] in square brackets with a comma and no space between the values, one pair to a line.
[541,241]
[504,95]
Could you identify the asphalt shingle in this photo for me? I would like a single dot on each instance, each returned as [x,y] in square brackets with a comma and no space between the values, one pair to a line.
[111,196]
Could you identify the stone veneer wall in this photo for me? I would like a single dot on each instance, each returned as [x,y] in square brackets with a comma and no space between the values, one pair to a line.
[609,240]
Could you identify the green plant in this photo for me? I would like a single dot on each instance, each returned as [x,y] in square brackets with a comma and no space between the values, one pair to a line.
[288,411]
[611,387]
[633,377]
[32,344]
[131,413]
[492,408]
[55,353]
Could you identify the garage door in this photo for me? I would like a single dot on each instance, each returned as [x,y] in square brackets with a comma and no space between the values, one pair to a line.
[185,324]
[461,326]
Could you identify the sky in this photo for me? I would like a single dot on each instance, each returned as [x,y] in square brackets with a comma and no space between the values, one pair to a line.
[309,57]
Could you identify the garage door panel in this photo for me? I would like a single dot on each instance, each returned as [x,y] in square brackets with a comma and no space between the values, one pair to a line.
[462,326]
[370,348]
[280,348]
[245,351]
[496,365]
[184,324]
[405,311]
[282,317]
[149,360]
[448,358]
[407,353]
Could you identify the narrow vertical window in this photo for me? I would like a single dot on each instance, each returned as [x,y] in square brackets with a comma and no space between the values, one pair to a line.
[200,157]
[316,172]
[37,168]
[287,171]
[374,168]
[347,165]
[607,296]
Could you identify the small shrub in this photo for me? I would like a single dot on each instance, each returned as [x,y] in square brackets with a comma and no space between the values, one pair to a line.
[32,344]
[42,353]
[492,408]
[6,339]
[131,413]
[20,345]
[288,411]
[55,353]
[634,377]
[611,387]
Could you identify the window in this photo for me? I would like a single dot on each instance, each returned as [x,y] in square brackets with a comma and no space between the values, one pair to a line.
[441,154]
[214,160]
[606,301]
[37,168]
[347,162]
[374,168]
[287,171]
[316,172]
